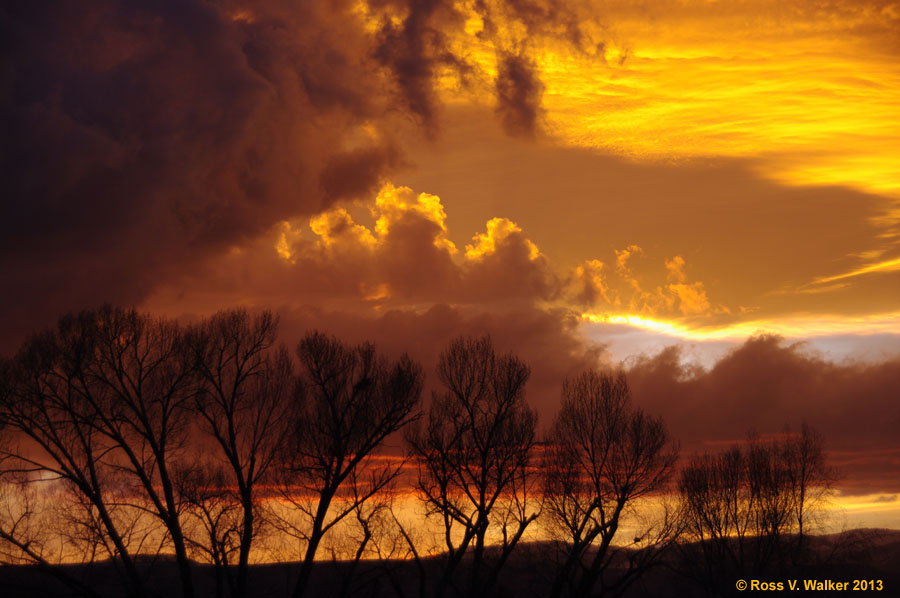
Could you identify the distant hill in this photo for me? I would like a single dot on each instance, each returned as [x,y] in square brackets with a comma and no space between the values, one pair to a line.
[856,554]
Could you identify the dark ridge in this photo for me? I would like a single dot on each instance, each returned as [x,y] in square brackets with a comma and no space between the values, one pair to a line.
[870,554]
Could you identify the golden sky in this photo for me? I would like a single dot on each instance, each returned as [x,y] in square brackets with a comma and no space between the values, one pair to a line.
[589,181]
[754,142]
[698,170]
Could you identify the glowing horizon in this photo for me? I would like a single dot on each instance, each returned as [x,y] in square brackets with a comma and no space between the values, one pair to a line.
[801,326]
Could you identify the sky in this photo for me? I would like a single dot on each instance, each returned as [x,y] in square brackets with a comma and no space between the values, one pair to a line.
[705,192]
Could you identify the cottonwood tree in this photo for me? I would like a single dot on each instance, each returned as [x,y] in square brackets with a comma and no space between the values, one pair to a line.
[720,510]
[214,519]
[45,405]
[245,386]
[29,535]
[474,454]
[26,534]
[810,481]
[397,541]
[371,529]
[141,383]
[602,456]
[108,395]
[348,401]
[750,504]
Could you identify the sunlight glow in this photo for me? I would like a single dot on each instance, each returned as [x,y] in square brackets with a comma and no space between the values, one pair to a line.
[798,326]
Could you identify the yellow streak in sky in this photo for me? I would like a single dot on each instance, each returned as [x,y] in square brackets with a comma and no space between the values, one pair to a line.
[885,266]
[791,327]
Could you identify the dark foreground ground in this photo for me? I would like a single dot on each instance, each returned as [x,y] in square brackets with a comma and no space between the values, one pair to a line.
[871,555]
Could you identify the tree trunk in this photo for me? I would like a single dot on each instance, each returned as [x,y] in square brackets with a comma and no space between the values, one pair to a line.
[314,539]
[246,541]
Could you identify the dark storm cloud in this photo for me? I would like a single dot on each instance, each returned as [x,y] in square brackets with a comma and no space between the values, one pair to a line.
[519,92]
[355,173]
[545,340]
[413,48]
[416,44]
[139,136]
[767,383]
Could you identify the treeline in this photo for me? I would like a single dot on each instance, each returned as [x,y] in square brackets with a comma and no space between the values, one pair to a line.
[127,437]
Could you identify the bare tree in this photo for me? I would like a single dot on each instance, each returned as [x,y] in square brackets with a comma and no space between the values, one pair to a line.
[721,511]
[810,481]
[748,505]
[246,385]
[474,454]
[603,455]
[141,384]
[44,404]
[395,540]
[349,401]
[28,533]
[108,393]
[372,524]
[214,521]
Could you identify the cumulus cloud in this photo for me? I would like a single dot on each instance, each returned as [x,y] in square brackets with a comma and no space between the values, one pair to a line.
[588,284]
[691,297]
[503,263]
[405,258]
[644,289]
[395,250]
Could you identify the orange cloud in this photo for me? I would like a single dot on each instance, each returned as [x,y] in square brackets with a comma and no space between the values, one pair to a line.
[589,284]
[393,205]
[623,290]
[500,231]
[410,236]
[405,257]
[336,227]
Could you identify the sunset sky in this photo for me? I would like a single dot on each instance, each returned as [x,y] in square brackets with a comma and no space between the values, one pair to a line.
[653,184]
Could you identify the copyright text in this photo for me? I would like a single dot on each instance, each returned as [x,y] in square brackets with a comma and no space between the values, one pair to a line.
[811,585]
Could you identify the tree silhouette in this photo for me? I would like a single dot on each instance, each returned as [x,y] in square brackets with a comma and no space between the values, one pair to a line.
[25,533]
[349,401]
[603,454]
[245,388]
[474,454]
[810,481]
[127,437]
[749,506]
[213,519]
[96,398]
[140,383]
